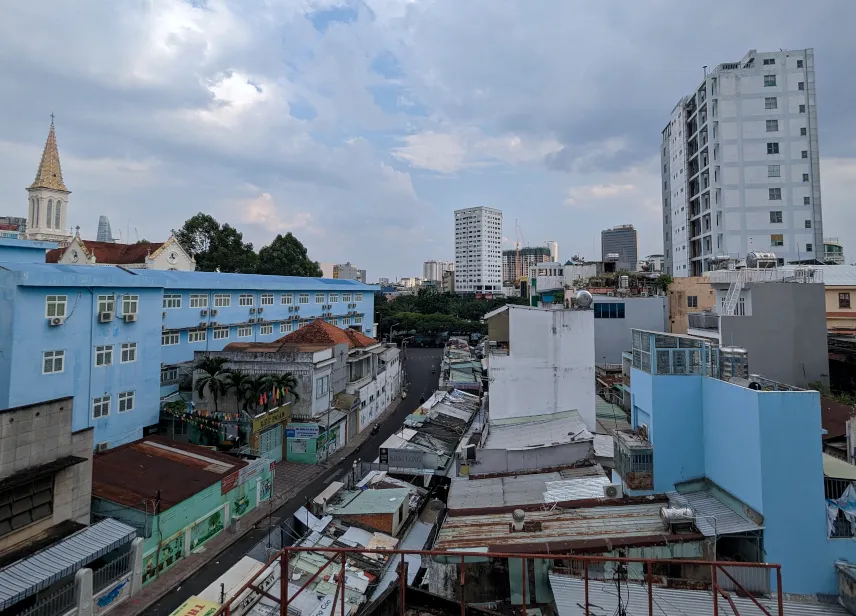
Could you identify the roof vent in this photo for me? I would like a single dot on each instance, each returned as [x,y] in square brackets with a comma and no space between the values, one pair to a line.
[517,516]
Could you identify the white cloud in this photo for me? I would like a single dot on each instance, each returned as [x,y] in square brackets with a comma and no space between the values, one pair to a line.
[264,212]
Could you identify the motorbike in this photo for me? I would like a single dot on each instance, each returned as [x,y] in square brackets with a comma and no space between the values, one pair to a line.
[375,428]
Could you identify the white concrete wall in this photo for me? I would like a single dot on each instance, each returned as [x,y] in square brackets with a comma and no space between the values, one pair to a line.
[549,368]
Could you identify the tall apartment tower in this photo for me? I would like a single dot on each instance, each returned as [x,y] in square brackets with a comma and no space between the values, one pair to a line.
[105,233]
[478,241]
[553,246]
[517,261]
[740,165]
[434,270]
[620,245]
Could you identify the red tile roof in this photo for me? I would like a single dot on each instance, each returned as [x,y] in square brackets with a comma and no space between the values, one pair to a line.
[834,416]
[133,473]
[321,332]
[109,253]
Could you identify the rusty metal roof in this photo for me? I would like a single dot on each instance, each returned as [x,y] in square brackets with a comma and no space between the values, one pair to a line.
[566,528]
[133,473]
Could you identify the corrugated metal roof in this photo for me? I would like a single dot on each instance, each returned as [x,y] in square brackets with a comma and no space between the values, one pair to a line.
[725,520]
[838,469]
[539,431]
[575,489]
[603,446]
[603,601]
[27,576]
[839,275]
[372,501]
[614,522]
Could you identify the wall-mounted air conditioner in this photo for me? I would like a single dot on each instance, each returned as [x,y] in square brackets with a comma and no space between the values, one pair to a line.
[131,318]
[105,317]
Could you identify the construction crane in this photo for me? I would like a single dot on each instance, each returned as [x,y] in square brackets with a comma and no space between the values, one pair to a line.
[518,264]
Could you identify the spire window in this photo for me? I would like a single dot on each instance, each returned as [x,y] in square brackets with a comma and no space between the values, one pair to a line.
[50,213]
[56,215]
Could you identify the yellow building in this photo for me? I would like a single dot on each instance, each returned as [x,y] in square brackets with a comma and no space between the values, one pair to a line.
[840,282]
[690,294]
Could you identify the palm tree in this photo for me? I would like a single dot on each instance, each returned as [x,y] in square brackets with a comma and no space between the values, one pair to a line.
[281,381]
[255,387]
[215,379]
[240,383]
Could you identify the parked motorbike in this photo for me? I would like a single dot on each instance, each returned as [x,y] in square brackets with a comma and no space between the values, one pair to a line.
[375,428]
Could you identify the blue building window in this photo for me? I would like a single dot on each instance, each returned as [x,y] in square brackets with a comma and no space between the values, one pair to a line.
[609,310]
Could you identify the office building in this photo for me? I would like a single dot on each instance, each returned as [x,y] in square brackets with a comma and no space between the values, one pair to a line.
[517,262]
[105,233]
[48,197]
[478,238]
[115,339]
[553,247]
[619,245]
[740,165]
[833,251]
[434,270]
[346,271]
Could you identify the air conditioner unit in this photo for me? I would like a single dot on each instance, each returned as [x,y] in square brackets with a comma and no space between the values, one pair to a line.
[163,314]
[203,324]
[105,317]
[291,308]
[130,318]
[214,313]
[54,321]
[102,447]
[613,490]
[261,309]
[610,294]
[252,320]
[214,324]
[252,310]
[203,313]
[644,294]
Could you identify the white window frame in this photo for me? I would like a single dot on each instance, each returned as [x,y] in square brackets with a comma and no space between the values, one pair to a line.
[768,82]
[126,399]
[266,330]
[346,320]
[168,374]
[56,304]
[323,298]
[102,404]
[222,300]
[303,298]
[167,338]
[358,320]
[55,357]
[128,353]
[346,298]
[246,299]
[286,299]
[221,333]
[285,327]
[195,336]
[245,331]
[772,126]
[266,299]
[774,171]
[130,304]
[104,355]
[106,303]
[171,301]
[334,298]
[199,300]
[358,297]
[771,102]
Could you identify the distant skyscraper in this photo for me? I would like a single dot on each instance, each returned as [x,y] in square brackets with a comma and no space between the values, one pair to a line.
[478,258]
[105,233]
[619,246]
[434,270]
[554,250]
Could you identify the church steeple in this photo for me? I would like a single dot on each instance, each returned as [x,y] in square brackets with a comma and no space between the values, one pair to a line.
[49,175]
[48,197]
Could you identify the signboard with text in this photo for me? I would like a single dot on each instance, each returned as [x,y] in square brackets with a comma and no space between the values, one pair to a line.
[408,458]
[271,418]
[306,430]
[250,471]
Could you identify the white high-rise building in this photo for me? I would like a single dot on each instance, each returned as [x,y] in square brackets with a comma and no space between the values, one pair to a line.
[434,270]
[740,165]
[478,250]
[553,247]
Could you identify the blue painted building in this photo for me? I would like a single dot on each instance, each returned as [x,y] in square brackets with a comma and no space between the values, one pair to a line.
[752,443]
[24,251]
[107,335]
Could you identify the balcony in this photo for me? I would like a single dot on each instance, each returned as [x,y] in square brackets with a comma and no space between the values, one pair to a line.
[634,460]
[776,274]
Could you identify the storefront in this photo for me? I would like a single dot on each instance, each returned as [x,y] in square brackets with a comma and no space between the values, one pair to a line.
[267,432]
[311,443]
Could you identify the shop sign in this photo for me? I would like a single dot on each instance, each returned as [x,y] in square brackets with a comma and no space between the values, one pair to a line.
[250,471]
[271,418]
[308,430]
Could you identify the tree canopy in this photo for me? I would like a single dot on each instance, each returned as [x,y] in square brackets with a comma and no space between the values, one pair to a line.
[222,248]
[286,256]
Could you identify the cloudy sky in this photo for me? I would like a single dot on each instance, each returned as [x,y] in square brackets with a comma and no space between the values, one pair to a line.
[360,125]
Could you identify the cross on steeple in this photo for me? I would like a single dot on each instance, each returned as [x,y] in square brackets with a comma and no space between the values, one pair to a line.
[52,119]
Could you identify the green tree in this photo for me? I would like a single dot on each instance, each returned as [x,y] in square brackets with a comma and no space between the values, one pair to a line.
[214,379]
[239,382]
[281,381]
[216,248]
[256,386]
[663,281]
[286,256]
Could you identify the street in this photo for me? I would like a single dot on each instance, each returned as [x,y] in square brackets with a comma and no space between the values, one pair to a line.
[418,364]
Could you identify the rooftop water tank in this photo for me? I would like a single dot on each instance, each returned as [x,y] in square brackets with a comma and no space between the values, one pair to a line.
[763,260]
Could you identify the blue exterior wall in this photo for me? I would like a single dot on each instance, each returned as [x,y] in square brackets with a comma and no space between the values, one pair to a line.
[24,251]
[732,437]
[25,334]
[763,447]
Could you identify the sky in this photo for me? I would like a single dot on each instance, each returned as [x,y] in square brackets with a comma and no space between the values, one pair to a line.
[361,125]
